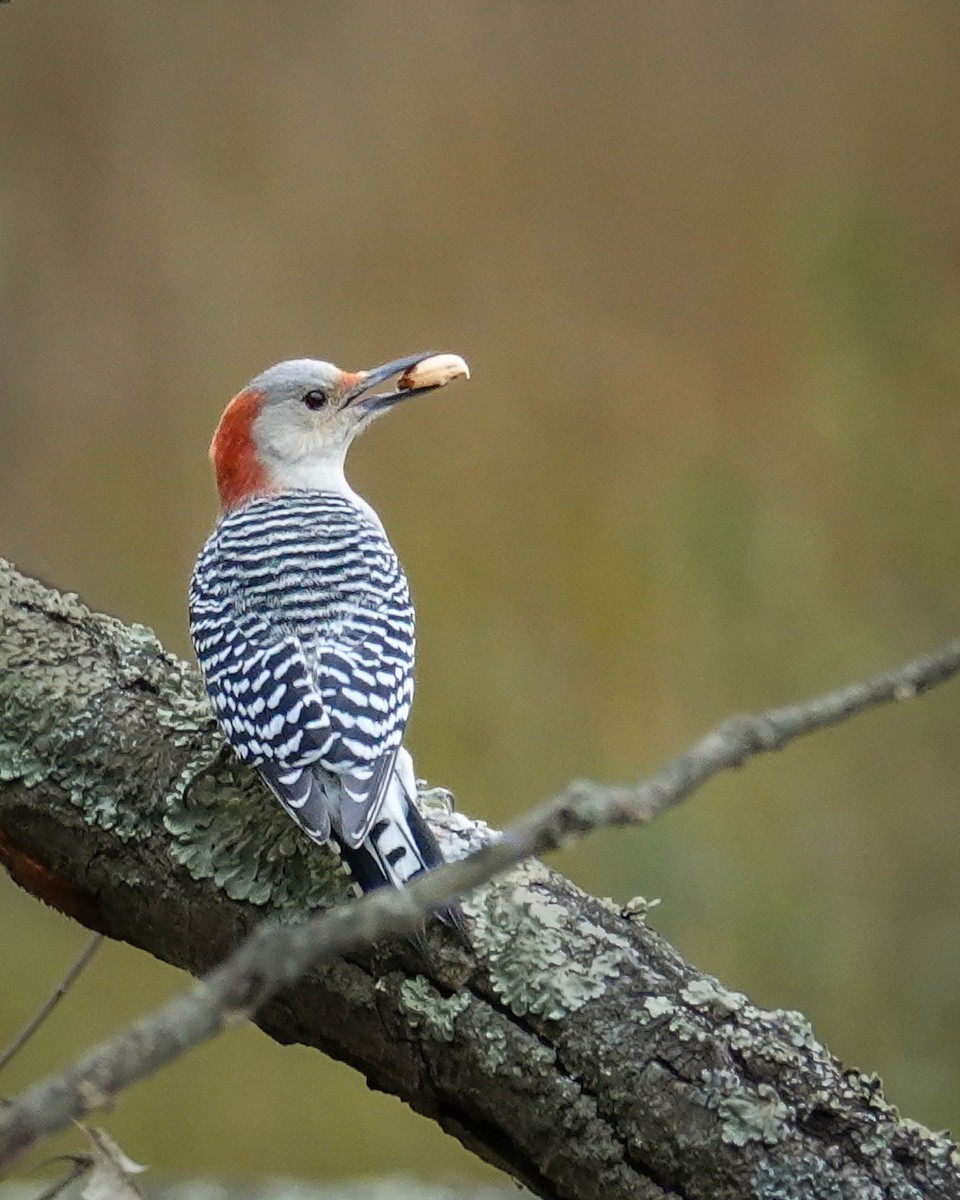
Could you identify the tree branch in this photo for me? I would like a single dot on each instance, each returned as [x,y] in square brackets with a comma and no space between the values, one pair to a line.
[576,1050]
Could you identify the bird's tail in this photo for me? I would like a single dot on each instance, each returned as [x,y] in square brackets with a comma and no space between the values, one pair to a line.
[400,845]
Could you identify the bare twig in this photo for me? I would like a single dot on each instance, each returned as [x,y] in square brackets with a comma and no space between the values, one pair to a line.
[51,1002]
[275,956]
[739,738]
[80,1165]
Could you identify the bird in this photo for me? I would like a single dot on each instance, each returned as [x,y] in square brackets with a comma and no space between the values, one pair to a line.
[301,617]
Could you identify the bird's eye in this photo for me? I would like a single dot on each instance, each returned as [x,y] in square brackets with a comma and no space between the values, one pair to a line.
[315,400]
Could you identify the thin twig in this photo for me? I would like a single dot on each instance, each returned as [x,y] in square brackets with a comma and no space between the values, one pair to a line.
[275,956]
[51,1002]
[81,1165]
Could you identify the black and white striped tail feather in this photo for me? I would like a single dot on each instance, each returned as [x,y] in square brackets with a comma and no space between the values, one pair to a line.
[399,846]
[399,843]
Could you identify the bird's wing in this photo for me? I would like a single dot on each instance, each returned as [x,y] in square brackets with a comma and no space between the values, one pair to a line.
[361,797]
[264,695]
[367,696]
[292,714]
[302,794]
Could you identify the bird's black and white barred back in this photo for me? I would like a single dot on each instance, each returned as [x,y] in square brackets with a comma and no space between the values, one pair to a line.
[303,626]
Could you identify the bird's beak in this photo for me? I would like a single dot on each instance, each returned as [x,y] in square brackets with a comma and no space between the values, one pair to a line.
[357,387]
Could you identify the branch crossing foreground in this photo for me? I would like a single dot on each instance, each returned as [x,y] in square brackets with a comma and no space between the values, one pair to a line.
[569,1044]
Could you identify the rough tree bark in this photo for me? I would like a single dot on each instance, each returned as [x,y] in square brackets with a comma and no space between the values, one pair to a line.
[575,1048]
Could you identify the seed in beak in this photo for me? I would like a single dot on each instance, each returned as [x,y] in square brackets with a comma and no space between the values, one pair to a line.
[436,371]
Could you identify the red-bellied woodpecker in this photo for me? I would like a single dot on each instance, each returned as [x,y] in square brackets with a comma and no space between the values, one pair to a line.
[301,616]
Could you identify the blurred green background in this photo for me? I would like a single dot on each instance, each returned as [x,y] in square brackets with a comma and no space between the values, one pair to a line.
[705,263]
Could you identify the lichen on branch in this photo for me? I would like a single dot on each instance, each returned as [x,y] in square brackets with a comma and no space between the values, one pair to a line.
[569,1045]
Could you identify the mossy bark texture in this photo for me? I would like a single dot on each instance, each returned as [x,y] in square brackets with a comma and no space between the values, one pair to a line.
[573,1047]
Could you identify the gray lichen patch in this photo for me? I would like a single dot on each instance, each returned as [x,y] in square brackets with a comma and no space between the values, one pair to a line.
[659,1006]
[808,1177]
[458,835]
[794,1028]
[638,909]
[910,1138]
[686,1031]
[227,828]
[775,1039]
[753,1116]
[523,932]
[435,801]
[768,1041]
[490,1037]
[503,1047]
[707,995]
[426,1009]
[72,685]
